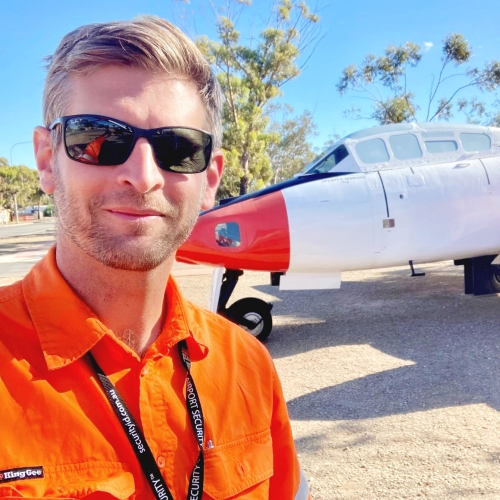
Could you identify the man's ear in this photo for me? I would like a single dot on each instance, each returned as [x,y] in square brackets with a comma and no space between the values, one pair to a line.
[214,174]
[44,158]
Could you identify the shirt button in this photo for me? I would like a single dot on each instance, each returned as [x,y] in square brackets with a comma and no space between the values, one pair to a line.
[160,462]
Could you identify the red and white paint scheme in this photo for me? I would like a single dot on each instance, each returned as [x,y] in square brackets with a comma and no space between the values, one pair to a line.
[386,196]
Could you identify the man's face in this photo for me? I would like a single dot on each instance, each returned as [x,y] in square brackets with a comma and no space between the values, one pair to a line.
[131,216]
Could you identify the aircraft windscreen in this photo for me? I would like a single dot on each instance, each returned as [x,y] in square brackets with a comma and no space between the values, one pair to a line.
[322,155]
[330,161]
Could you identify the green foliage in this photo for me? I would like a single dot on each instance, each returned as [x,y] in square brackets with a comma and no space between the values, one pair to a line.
[395,109]
[456,49]
[21,181]
[384,81]
[49,211]
[495,120]
[291,151]
[251,76]
[332,139]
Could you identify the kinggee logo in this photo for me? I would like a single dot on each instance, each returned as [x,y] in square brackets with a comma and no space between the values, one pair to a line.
[20,473]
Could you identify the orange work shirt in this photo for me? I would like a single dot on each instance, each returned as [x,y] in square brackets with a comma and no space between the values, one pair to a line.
[59,435]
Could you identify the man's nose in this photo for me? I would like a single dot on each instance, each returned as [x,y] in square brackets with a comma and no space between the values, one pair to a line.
[140,170]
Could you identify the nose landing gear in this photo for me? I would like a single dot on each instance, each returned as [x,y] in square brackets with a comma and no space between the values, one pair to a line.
[252,314]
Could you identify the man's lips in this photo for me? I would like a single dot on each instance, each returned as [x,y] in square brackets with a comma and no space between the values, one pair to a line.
[134,213]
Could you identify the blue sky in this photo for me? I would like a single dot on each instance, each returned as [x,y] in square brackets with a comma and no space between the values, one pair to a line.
[32,29]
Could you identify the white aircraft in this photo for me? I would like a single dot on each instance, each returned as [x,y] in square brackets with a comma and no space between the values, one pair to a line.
[387,196]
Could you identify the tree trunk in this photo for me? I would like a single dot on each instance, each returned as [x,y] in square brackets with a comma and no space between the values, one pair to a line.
[244,179]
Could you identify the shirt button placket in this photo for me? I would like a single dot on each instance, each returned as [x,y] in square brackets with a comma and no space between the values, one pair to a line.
[153,409]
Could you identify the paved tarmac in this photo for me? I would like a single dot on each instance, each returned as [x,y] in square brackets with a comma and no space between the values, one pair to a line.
[21,245]
[26,228]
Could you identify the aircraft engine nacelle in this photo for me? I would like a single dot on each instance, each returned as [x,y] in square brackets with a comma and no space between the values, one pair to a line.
[240,236]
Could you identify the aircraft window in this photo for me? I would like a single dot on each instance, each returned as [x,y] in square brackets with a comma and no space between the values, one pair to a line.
[372,151]
[405,146]
[333,159]
[438,133]
[475,142]
[441,146]
[228,234]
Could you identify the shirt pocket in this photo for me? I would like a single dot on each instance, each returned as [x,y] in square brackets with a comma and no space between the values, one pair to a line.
[240,469]
[86,480]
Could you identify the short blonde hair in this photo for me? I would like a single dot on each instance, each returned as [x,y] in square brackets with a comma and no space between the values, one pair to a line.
[146,42]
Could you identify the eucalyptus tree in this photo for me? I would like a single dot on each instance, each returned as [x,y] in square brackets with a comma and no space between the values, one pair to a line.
[19,181]
[385,81]
[252,72]
[293,149]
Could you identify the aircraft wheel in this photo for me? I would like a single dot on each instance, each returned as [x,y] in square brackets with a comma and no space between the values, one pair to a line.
[495,278]
[253,315]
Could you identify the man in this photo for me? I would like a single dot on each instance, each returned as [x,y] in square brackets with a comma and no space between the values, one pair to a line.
[111,383]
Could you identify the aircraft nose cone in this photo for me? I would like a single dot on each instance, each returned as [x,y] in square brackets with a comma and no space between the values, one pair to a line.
[249,234]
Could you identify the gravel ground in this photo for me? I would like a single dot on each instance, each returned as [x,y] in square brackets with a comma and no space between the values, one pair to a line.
[392,382]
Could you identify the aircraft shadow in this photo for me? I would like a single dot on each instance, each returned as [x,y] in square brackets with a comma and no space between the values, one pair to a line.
[452,338]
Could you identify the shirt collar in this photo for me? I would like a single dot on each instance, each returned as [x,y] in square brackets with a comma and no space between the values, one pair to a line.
[180,324]
[68,329]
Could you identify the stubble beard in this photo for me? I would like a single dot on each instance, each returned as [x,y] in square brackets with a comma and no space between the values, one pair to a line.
[139,250]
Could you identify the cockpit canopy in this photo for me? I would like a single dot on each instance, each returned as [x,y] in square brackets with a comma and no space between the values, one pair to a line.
[406,144]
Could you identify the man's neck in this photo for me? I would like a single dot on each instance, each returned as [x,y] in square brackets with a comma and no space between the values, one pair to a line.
[129,303]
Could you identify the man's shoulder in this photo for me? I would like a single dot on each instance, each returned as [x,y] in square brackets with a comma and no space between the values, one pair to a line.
[12,304]
[18,337]
[11,292]
[15,317]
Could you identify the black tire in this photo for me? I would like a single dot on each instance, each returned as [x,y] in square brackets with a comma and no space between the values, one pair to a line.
[253,315]
[495,277]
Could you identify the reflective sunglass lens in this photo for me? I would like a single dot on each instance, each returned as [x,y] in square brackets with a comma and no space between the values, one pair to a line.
[182,150]
[97,141]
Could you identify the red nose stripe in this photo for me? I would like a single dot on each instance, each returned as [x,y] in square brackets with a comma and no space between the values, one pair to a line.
[264,235]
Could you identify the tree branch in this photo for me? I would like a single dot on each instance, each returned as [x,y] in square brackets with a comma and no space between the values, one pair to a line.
[450,99]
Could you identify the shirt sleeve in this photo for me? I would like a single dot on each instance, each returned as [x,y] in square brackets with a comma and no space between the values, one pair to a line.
[288,481]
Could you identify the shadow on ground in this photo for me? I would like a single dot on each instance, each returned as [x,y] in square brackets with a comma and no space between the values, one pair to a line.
[452,338]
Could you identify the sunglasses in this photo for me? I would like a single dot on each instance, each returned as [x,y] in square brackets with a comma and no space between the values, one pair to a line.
[99,140]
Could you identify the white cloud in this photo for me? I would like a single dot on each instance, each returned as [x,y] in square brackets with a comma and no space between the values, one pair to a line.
[428,46]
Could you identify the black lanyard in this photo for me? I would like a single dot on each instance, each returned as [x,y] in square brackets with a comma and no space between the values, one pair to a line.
[138,442]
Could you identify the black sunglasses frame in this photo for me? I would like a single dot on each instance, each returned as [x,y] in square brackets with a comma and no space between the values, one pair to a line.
[138,133]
